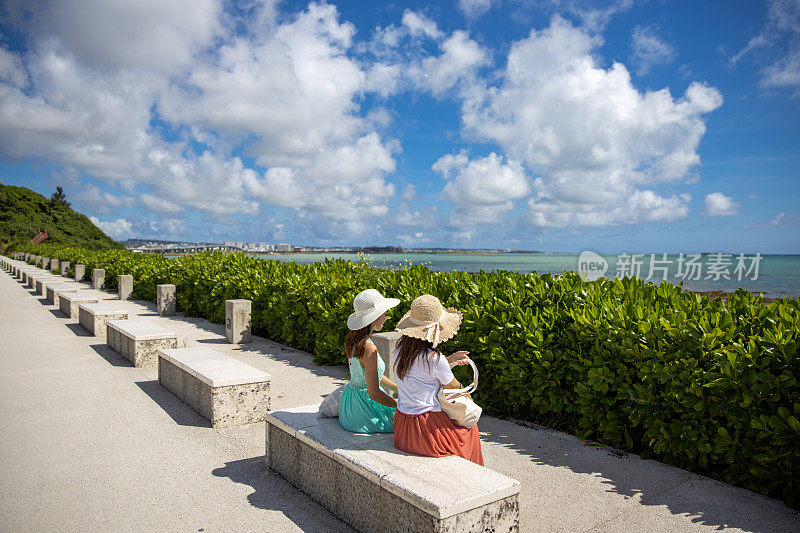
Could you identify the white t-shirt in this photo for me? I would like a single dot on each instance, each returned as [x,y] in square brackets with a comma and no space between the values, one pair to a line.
[416,393]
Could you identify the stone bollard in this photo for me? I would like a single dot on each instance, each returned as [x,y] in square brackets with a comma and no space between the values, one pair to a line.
[45,263]
[64,268]
[80,272]
[237,321]
[124,286]
[386,342]
[98,278]
[55,264]
[165,296]
[39,261]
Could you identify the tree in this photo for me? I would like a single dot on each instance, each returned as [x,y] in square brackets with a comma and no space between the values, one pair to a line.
[59,198]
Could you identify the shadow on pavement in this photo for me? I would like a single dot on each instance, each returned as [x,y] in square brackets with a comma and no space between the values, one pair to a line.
[112,357]
[78,330]
[703,500]
[272,492]
[177,410]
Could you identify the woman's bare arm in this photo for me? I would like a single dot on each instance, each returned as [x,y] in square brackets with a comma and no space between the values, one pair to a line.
[370,362]
[388,383]
[455,384]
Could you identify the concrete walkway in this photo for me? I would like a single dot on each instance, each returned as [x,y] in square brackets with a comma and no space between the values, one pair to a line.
[90,442]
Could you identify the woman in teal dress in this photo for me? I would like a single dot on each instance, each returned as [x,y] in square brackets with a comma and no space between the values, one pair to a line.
[365,406]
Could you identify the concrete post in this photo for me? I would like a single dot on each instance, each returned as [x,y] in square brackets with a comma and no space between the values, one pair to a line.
[237,321]
[165,296]
[64,268]
[98,278]
[54,264]
[124,286]
[80,272]
[386,342]
[39,261]
[45,263]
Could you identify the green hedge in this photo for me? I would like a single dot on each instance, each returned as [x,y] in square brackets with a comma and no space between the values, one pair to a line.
[693,382]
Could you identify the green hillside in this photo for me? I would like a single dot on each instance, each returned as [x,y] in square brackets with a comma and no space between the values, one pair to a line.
[24,212]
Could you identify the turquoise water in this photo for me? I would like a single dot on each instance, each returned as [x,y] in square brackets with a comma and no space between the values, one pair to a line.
[778,275]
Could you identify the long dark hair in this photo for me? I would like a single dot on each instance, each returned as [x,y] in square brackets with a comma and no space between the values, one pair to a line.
[410,349]
[355,340]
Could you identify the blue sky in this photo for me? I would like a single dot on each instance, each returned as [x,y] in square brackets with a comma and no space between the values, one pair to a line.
[630,126]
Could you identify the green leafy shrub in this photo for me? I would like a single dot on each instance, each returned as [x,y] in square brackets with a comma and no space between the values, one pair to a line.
[696,383]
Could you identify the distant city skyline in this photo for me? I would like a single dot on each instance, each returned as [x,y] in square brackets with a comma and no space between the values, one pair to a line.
[556,126]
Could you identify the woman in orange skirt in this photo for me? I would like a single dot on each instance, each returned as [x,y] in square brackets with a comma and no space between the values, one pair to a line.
[420,426]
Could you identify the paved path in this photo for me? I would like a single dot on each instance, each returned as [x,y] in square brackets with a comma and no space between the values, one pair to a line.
[90,442]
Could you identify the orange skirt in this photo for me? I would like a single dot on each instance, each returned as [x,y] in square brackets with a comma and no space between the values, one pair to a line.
[433,434]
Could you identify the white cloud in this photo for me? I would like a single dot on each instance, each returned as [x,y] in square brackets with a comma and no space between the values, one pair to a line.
[159,205]
[409,240]
[780,220]
[399,62]
[12,70]
[419,24]
[459,59]
[640,207]
[482,190]
[286,92]
[119,229]
[421,218]
[473,9]
[717,204]
[592,18]
[167,227]
[463,236]
[410,193]
[781,38]
[109,34]
[295,91]
[95,201]
[649,49]
[75,116]
[783,73]
[589,134]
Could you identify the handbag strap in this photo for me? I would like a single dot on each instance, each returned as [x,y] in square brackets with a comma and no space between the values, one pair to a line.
[469,389]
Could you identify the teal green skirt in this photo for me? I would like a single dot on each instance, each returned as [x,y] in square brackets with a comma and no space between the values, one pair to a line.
[360,414]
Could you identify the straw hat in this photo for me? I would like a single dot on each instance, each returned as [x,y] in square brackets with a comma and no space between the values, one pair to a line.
[369,305]
[428,320]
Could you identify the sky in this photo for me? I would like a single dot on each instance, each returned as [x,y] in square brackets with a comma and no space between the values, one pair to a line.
[550,125]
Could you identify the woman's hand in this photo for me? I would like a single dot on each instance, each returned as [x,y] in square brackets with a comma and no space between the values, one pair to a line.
[458,358]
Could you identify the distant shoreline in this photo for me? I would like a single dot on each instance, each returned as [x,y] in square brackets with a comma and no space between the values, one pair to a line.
[457,252]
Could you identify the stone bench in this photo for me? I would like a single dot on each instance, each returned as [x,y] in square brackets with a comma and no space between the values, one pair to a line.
[94,316]
[138,341]
[369,484]
[68,302]
[26,271]
[52,290]
[39,281]
[220,388]
[31,272]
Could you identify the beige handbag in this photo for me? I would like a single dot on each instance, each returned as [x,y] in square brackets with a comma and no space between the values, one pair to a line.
[458,406]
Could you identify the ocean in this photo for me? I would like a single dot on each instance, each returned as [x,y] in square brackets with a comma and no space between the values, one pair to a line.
[777,276]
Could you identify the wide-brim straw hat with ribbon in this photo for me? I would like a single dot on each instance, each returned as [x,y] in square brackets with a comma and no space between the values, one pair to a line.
[428,319]
[369,305]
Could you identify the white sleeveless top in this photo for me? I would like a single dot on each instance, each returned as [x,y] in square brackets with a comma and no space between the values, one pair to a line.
[416,393]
